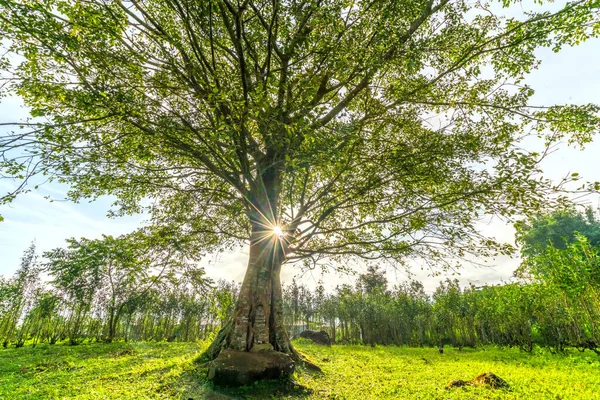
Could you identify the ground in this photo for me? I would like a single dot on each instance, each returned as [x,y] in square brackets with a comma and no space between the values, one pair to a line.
[169,371]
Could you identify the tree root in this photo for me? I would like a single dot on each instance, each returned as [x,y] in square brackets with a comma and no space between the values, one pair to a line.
[306,363]
[311,366]
[222,341]
[219,343]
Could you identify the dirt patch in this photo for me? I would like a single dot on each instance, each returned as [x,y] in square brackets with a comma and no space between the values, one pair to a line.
[457,383]
[127,352]
[488,379]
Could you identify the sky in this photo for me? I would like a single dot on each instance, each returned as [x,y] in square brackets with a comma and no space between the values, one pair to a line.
[571,76]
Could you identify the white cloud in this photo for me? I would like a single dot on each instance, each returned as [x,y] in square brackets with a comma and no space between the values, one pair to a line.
[31,217]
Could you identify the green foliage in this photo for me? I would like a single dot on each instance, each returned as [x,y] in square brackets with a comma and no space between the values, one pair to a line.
[16,298]
[107,289]
[113,273]
[134,287]
[562,251]
[561,248]
[556,229]
[168,370]
[305,114]
[522,315]
[574,273]
[574,269]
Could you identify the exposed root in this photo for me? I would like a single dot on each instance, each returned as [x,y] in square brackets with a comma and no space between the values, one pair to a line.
[219,343]
[223,339]
[306,363]
[310,366]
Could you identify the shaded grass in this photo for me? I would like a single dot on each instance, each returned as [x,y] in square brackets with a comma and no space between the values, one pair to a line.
[169,371]
[96,371]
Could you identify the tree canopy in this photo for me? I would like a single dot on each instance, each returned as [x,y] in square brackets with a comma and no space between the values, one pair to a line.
[561,248]
[558,229]
[370,129]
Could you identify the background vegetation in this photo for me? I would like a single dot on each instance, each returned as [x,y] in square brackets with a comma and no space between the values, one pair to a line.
[102,290]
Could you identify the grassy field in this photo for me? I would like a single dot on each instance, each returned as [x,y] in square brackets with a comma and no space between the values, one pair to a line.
[168,370]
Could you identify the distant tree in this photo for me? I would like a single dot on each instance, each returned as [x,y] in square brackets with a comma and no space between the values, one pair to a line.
[558,229]
[293,295]
[224,295]
[5,295]
[17,295]
[562,251]
[307,304]
[307,129]
[9,293]
[42,320]
[114,271]
[372,281]
[447,312]
[555,230]
[573,272]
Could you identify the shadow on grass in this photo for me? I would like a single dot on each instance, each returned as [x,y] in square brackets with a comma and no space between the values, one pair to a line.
[195,385]
[122,371]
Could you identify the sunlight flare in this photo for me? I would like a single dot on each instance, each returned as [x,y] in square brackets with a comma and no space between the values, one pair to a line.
[277,231]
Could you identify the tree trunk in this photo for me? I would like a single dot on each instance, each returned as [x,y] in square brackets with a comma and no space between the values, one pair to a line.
[111,326]
[258,315]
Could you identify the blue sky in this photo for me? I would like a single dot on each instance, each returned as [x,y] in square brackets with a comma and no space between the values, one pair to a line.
[571,76]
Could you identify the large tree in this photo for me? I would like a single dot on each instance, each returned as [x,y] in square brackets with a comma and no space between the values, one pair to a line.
[310,130]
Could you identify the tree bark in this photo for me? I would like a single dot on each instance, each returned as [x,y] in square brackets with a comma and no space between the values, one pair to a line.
[258,315]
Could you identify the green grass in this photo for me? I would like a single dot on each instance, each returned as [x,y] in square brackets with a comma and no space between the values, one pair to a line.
[168,370]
